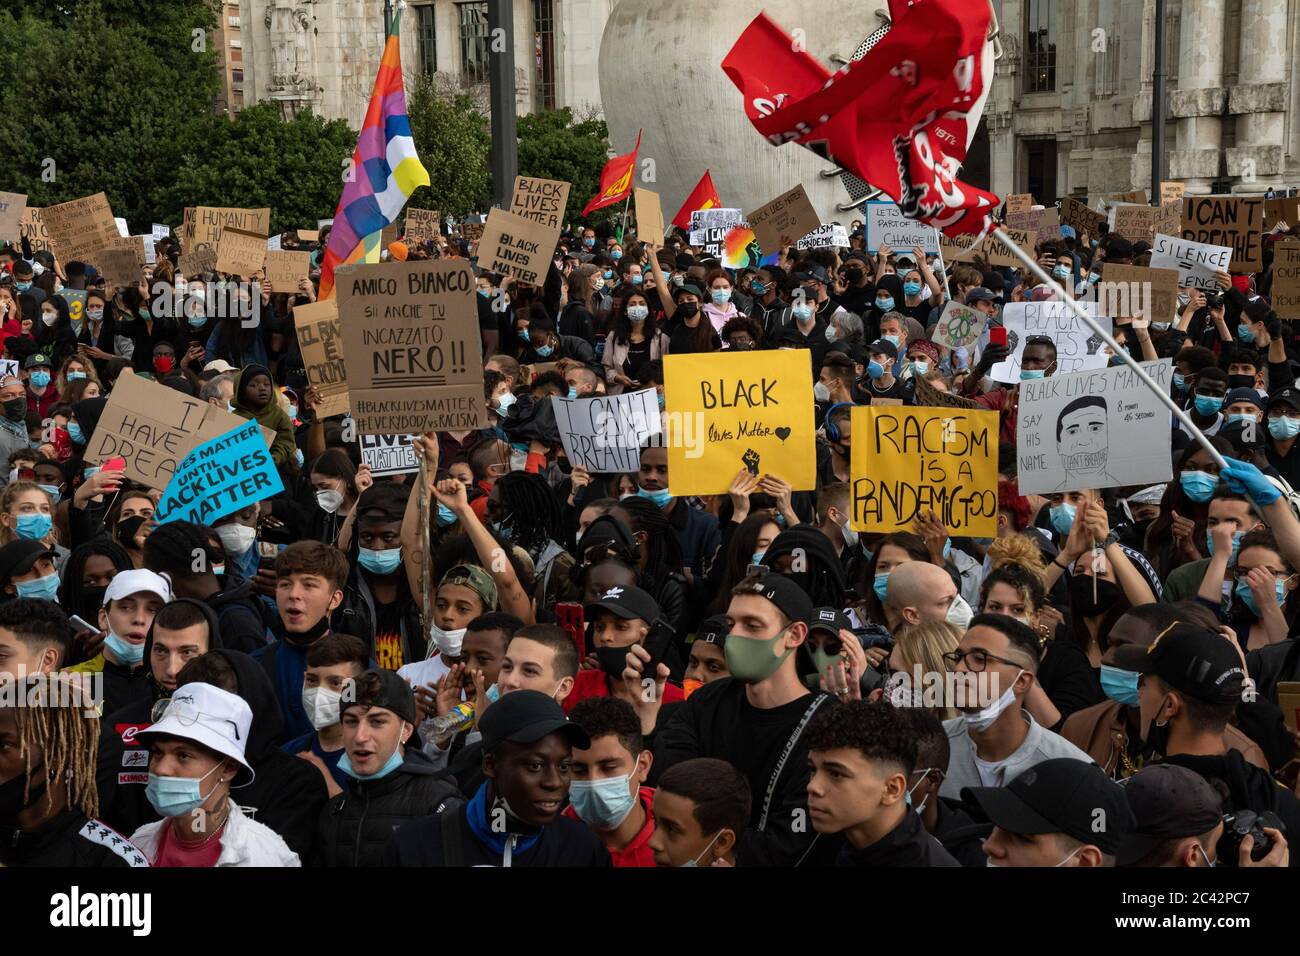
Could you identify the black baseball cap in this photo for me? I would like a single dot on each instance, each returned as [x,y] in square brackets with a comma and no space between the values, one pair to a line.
[1243,395]
[980,294]
[1193,660]
[38,360]
[881,347]
[1062,795]
[627,603]
[1169,802]
[394,694]
[20,556]
[526,716]
[1289,395]
[830,620]
[788,597]
[712,630]
[812,273]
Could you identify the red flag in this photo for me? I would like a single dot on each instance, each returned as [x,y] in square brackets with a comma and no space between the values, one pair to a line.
[899,118]
[705,196]
[615,180]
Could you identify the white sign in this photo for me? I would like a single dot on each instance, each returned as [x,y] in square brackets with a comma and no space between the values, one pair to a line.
[389,454]
[825,237]
[150,253]
[322,223]
[716,219]
[122,228]
[1196,262]
[1099,429]
[160,231]
[273,244]
[604,435]
[1078,347]
[8,367]
[886,223]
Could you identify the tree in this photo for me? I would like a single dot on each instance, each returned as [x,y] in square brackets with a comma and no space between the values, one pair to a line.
[553,145]
[454,145]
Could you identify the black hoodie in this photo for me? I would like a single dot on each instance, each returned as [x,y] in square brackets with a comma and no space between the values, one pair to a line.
[242,626]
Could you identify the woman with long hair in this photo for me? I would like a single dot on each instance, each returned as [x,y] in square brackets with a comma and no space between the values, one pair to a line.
[634,339]
[919,649]
[1177,535]
[1264,599]
[336,485]
[579,316]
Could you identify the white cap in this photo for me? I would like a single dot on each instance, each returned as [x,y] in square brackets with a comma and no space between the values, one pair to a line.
[137,581]
[219,365]
[1150,495]
[207,715]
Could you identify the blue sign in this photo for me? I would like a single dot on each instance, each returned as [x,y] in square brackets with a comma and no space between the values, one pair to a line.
[219,477]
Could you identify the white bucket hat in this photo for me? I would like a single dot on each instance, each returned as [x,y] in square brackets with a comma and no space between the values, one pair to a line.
[209,716]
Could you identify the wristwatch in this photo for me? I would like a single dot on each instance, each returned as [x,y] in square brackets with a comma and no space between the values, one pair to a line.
[1110,539]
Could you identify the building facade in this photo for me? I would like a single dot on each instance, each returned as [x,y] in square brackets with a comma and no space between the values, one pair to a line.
[228,43]
[323,54]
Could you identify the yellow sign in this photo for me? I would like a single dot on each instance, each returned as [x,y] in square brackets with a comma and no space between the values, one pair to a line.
[732,410]
[917,460]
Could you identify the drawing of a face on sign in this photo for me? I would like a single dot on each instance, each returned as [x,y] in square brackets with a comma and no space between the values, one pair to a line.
[1081,441]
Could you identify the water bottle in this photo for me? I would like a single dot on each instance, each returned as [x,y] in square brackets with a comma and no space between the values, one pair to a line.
[456,719]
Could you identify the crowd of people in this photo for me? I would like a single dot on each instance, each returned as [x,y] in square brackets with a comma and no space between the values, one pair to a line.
[604,673]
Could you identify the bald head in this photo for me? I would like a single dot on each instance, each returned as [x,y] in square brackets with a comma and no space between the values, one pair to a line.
[918,591]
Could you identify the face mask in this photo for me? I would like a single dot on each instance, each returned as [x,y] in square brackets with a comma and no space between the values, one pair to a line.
[380,562]
[908,796]
[688,310]
[1198,485]
[163,364]
[1120,685]
[504,402]
[892,340]
[125,652]
[15,409]
[90,472]
[177,796]
[1208,404]
[986,717]
[1032,374]
[40,379]
[236,538]
[602,804]
[1241,381]
[445,516]
[196,321]
[589,243]
[696,861]
[518,459]
[832,333]
[757,559]
[1180,381]
[758,288]
[920,368]
[1063,517]
[1081,600]
[525,334]
[545,350]
[802,312]
[616,255]
[850,536]
[636,279]
[1061,272]
[49,318]
[959,613]
[34,526]
[660,398]
[1161,326]
[329,500]
[885,305]
[322,706]
[22,286]
[447,642]
[573,393]
[1236,544]
[75,433]
[608,274]
[660,498]
[1283,428]
[721,296]
[821,392]
[1243,591]
[1244,334]
[293,412]
[389,766]
[598,284]
[1237,417]
[911,288]
[638,313]
[75,376]
[750,659]
[53,492]
[96,314]
[875,370]
[485,293]
[1094,277]
[45,588]
[679,280]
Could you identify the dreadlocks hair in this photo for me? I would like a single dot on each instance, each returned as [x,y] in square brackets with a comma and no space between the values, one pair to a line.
[58,721]
[662,550]
[72,593]
[529,508]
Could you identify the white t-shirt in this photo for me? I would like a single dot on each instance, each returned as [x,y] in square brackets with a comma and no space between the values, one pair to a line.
[991,773]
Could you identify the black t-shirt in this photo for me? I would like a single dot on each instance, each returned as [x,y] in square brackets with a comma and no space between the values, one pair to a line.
[899,390]
[388,633]
[638,353]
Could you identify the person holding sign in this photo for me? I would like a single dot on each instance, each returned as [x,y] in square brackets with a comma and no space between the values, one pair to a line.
[1038,360]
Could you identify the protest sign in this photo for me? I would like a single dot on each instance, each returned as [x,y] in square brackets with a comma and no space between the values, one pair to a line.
[740,250]
[31,227]
[284,270]
[275,243]
[831,235]
[1130,292]
[422,224]
[649,216]
[886,224]
[1078,348]
[210,221]
[160,231]
[1285,291]
[8,367]
[604,435]
[1098,429]
[322,223]
[1233,221]
[716,219]
[997,253]
[76,299]
[541,200]
[149,251]
[411,345]
[186,234]
[240,253]
[1136,196]
[959,326]
[1049,223]
[219,477]
[1282,209]
[196,263]
[1170,191]
[81,227]
[907,462]
[307,235]
[123,229]
[1135,223]
[784,220]
[734,410]
[1196,262]
[1168,219]
[120,262]
[472,231]
[517,247]
[1019,202]
[321,344]
[1080,218]
[12,206]
[389,454]
[961,248]
[711,242]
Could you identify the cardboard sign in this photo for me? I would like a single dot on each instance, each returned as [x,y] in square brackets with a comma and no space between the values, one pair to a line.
[121,263]
[908,461]
[829,236]
[604,435]
[210,221]
[81,227]
[649,216]
[1135,223]
[240,253]
[517,247]
[734,410]
[411,345]
[321,343]
[1169,217]
[1138,196]
[1285,291]
[541,200]
[389,454]
[1132,292]
[720,218]
[219,477]
[1019,202]
[284,270]
[1233,221]
[1049,223]
[1170,191]
[31,226]
[196,263]
[784,220]
[472,231]
[150,253]
[1078,348]
[421,224]
[12,206]
[1196,262]
[886,224]
[308,235]
[1282,209]
[1080,218]
[961,248]
[997,253]
[959,327]
[154,427]
[186,234]
[1099,429]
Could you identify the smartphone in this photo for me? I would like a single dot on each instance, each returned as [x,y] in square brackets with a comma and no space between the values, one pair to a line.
[571,617]
[998,336]
[82,625]
[114,464]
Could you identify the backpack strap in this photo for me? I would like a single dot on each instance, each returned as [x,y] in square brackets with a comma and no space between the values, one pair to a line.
[453,850]
[790,744]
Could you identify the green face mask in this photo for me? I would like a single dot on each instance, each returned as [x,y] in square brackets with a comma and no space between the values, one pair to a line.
[750,659]
[823,659]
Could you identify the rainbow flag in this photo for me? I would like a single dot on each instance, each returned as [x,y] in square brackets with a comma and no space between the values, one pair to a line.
[386,167]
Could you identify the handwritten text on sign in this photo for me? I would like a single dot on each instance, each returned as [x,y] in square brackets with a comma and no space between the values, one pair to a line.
[604,435]
[1078,347]
[916,460]
[220,477]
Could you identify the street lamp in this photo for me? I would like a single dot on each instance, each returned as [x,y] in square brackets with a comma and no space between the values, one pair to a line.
[505,141]
[1158,105]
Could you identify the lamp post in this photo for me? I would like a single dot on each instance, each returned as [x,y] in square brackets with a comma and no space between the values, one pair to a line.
[1158,105]
[501,72]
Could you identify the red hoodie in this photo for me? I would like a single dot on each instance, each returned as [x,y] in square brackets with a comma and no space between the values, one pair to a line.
[638,852]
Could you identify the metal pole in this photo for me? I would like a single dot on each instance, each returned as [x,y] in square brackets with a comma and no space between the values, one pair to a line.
[505,138]
[1082,313]
[1158,106]
[388,17]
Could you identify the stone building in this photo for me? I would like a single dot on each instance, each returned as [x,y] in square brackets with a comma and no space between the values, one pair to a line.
[227,40]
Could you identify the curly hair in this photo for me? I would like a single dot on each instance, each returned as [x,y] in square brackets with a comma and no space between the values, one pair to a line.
[879,731]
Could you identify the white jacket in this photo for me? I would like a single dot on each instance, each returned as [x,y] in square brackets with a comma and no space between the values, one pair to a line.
[244,842]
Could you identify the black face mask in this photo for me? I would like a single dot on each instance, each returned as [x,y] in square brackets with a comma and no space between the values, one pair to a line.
[613,661]
[127,529]
[1241,381]
[15,409]
[1157,740]
[1081,600]
[92,599]
[853,276]
[11,795]
[312,634]
[687,310]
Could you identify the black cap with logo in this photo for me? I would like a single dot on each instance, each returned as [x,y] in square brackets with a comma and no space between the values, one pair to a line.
[1193,660]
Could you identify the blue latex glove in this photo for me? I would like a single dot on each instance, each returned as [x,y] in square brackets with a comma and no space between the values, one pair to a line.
[1246,479]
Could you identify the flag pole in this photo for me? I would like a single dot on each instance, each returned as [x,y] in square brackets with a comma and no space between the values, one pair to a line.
[622,230]
[1127,359]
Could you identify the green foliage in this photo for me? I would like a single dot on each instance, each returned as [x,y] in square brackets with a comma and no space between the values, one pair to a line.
[453,142]
[552,145]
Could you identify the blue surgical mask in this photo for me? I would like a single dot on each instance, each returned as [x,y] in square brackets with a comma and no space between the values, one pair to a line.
[76,434]
[380,562]
[891,339]
[885,305]
[616,255]
[802,312]
[573,393]
[1236,544]
[1061,272]
[545,350]
[758,557]
[1120,685]
[298,458]
[389,766]
[485,293]
[504,401]
[1242,591]
[1236,417]
[22,286]
[721,296]
[53,492]
[525,334]
[1063,517]
[90,472]
[1208,404]
[1198,485]
[293,412]
[1094,277]
[636,279]
[589,243]
[177,796]
[34,527]
[875,369]
[1032,374]
[1283,428]
[1244,334]
[609,274]
[758,288]
[126,653]
[602,804]
[445,516]
[911,288]
[1180,381]
[879,585]
[40,378]
[196,321]
[75,376]
[660,498]
[920,368]
[46,588]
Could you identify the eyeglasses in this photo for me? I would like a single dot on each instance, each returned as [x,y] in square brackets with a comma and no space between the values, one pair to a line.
[184,713]
[1279,576]
[976,659]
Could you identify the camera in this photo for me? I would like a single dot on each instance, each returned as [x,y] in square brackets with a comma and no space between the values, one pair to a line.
[1239,824]
[1214,301]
